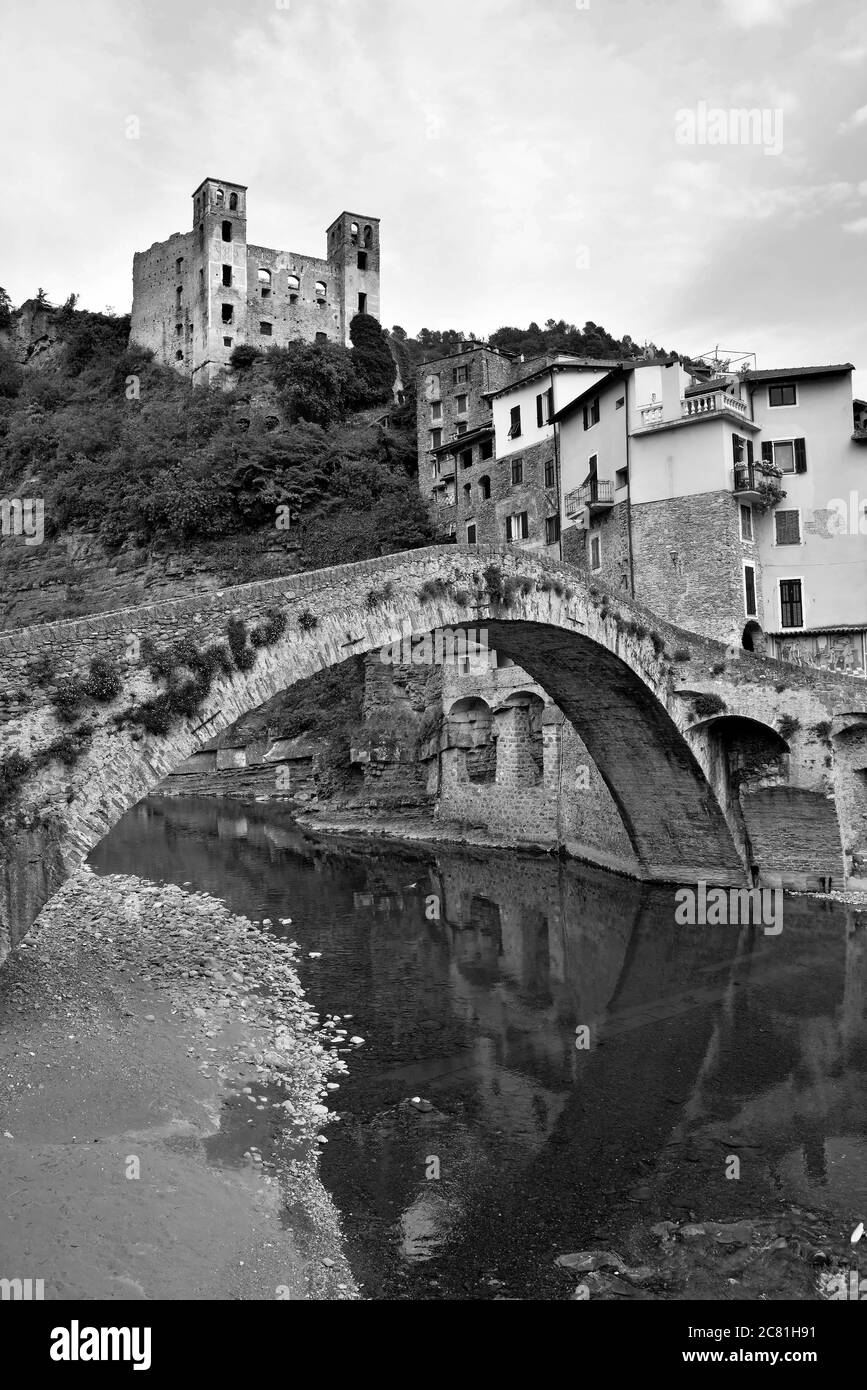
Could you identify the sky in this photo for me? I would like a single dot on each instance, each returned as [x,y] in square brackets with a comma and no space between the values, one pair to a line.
[529,159]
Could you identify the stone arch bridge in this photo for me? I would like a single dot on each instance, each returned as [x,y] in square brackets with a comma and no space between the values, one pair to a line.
[676,724]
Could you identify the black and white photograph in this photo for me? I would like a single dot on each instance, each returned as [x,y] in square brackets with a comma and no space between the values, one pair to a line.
[433,672]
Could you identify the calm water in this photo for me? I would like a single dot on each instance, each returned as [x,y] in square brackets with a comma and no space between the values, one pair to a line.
[705,1042]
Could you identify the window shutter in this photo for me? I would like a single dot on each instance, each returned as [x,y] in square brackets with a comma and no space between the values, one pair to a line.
[750,452]
[508,528]
[767,451]
[736,448]
[539,418]
[788,528]
[800,455]
[586,426]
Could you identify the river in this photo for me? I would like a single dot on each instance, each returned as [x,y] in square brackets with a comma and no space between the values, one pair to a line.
[478,1139]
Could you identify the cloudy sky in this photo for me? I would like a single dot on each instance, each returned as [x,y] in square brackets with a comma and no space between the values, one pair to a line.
[527,157]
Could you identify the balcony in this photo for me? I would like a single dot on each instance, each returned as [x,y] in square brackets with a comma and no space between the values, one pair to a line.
[592,497]
[695,408]
[757,482]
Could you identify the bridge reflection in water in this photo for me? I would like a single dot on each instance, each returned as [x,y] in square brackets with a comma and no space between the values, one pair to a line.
[467,973]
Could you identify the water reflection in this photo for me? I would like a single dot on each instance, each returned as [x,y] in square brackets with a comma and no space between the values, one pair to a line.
[476,1140]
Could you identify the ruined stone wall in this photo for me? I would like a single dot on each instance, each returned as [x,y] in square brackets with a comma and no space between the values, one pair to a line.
[292,312]
[155,312]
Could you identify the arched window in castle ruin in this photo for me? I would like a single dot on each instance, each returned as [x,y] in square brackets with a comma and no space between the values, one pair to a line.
[218,197]
[485,488]
[265,283]
[321,291]
[470,733]
[293,282]
[368,236]
[353,233]
[233,202]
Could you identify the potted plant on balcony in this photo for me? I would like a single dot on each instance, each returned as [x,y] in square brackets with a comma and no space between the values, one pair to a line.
[770,494]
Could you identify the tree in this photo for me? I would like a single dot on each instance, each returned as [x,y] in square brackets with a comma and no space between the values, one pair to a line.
[372,356]
[5,309]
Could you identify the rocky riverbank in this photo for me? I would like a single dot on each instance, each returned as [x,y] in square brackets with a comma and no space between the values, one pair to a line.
[162,1104]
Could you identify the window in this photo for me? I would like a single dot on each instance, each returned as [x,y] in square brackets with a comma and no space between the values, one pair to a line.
[293,299]
[179,356]
[621,478]
[436,411]
[459,375]
[515,426]
[353,233]
[750,590]
[467,458]
[471,533]
[233,202]
[227,342]
[293,281]
[789,455]
[552,529]
[486,450]
[549,473]
[620,403]
[218,197]
[468,492]
[591,414]
[596,553]
[436,438]
[461,404]
[178,296]
[461,427]
[782,395]
[791,603]
[362,260]
[227,231]
[485,488]
[201,281]
[593,465]
[517,527]
[179,266]
[201,234]
[368,236]
[362,303]
[266,329]
[746,523]
[264,277]
[322,337]
[544,407]
[739,448]
[228,313]
[227,275]
[179,328]
[787,527]
[517,472]
[321,290]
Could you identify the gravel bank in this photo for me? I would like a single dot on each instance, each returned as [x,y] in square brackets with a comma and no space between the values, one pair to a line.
[162,1104]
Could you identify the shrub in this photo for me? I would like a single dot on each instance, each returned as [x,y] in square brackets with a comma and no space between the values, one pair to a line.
[780,687]
[243,357]
[66,749]
[493,577]
[308,621]
[377,596]
[822,730]
[13,770]
[104,684]
[433,589]
[241,653]
[270,630]
[67,697]
[155,717]
[462,596]
[707,705]
[788,725]
[681,654]
[718,668]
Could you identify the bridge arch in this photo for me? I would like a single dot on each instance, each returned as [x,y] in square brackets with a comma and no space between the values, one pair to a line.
[608,664]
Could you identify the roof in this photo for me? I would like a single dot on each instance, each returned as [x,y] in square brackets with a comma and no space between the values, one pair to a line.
[785,373]
[463,441]
[813,631]
[594,386]
[714,383]
[228,182]
[555,362]
[468,346]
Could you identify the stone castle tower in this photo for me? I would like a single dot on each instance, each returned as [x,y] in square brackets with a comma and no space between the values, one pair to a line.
[201,294]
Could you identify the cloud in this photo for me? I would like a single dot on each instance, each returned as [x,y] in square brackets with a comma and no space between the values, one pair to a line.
[859,227]
[752,14]
[858,118]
